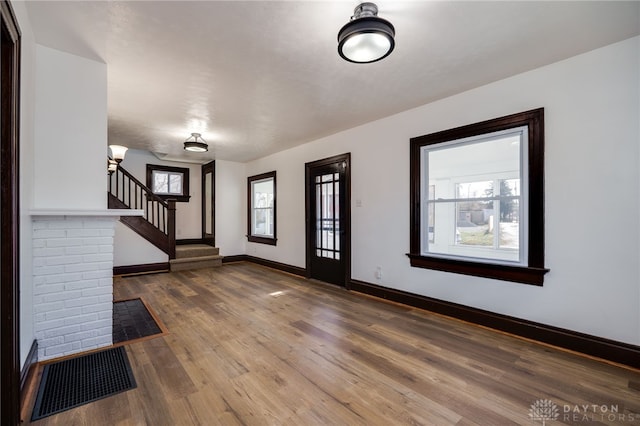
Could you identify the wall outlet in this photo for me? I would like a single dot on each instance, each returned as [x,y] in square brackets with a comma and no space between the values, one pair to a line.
[378,273]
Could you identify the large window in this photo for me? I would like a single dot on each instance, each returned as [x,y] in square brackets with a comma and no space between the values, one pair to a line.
[262,208]
[477,199]
[169,182]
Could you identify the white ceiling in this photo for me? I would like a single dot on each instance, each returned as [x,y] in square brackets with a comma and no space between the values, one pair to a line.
[257,77]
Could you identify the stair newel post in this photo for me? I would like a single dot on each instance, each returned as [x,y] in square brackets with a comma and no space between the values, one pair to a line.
[171,227]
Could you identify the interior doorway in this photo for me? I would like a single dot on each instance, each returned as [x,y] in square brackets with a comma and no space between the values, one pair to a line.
[328,219]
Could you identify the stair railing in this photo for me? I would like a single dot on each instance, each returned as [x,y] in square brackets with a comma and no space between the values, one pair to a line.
[134,194]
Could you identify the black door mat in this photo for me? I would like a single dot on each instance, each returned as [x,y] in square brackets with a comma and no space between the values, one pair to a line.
[132,320]
[77,381]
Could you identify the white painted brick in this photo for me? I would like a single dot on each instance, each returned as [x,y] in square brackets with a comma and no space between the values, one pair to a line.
[106,331]
[93,266]
[48,307]
[104,273]
[63,313]
[76,346]
[106,282]
[39,280]
[49,233]
[103,326]
[84,301]
[106,249]
[77,337]
[106,314]
[100,222]
[39,252]
[48,270]
[63,349]
[63,331]
[47,288]
[108,257]
[84,232]
[106,298]
[39,244]
[110,232]
[66,295]
[42,326]
[63,278]
[53,341]
[97,291]
[99,241]
[63,260]
[81,285]
[81,319]
[97,342]
[65,224]
[39,262]
[99,308]
[40,317]
[40,224]
[83,249]
[64,242]
[37,300]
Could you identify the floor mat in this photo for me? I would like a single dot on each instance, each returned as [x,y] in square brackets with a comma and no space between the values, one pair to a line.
[132,320]
[78,381]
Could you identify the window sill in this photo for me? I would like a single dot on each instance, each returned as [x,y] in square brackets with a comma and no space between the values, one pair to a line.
[262,240]
[518,274]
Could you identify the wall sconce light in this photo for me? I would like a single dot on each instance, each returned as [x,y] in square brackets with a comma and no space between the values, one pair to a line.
[117,152]
[366,38]
[196,145]
[112,165]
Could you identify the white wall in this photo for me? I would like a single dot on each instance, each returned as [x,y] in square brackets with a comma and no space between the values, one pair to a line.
[27,112]
[132,249]
[70,131]
[231,210]
[592,194]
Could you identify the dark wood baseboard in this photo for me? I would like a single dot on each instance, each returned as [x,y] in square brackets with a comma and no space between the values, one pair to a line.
[141,269]
[186,241]
[235,258]
[32,359]
[610,350]
[295,270]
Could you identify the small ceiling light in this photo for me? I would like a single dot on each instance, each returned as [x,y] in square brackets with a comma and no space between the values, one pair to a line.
[366,38]
[117,152]
[196,145]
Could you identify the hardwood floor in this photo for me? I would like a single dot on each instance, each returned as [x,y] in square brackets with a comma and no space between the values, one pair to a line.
[249,345]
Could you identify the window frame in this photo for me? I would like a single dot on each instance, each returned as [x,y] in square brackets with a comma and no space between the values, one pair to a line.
[257,238]
[184,197]
[533,271]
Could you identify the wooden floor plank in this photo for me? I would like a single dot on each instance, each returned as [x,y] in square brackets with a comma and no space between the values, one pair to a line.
[248,345]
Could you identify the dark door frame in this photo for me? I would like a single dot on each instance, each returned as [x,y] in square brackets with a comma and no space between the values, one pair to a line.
[346,221]
[9,218]
[209,168]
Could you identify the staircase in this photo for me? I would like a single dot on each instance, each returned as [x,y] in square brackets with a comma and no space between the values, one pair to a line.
[195,256]
[158,223]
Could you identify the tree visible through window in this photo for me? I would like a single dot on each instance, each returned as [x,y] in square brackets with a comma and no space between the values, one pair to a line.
[477,199]
[168,182]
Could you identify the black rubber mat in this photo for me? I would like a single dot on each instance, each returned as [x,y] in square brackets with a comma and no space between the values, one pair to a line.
[78,381]
[132,320]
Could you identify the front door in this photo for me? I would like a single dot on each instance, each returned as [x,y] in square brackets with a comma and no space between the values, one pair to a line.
[328,219]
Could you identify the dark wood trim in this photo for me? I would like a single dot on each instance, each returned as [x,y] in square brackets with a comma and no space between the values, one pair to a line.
[235,258]
[295,270]
[534,271]
[209,168]
[28,380]
[184,198]
[346,158]
[186,241]
[32,359]
[606,349]
[141,269]
[258,239]
[9,216]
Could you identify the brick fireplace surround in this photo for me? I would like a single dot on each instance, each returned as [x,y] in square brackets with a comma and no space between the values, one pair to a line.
[73,279]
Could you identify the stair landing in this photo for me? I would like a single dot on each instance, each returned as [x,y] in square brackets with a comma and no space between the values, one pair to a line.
[195,256]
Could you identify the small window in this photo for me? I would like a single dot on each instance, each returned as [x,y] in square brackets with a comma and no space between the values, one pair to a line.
[169,182]
[262,208]
[477,199]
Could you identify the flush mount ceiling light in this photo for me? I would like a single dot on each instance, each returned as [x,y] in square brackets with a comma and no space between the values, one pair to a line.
[196,145]
[366,38]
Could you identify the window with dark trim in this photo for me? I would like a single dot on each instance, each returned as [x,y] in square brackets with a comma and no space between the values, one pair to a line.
[477,199]
[261,204]
[169,182]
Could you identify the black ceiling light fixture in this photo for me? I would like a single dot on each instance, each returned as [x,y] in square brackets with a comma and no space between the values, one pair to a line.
[366,38]
[196,145]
